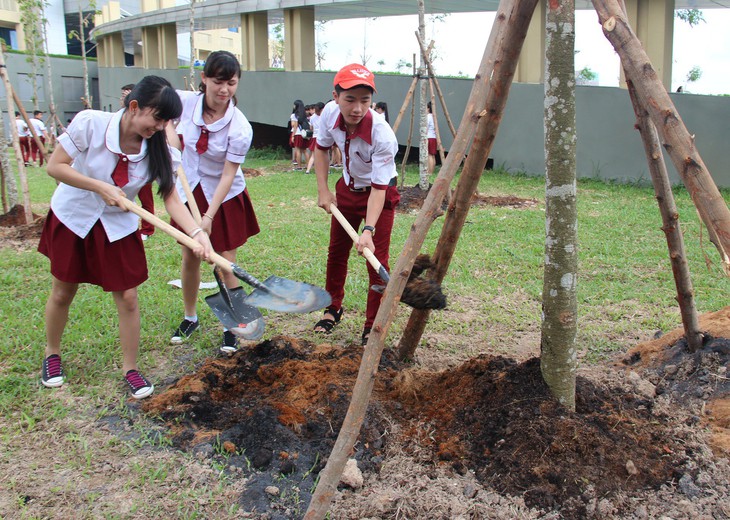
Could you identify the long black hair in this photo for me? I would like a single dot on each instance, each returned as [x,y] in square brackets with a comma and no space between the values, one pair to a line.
[221,65]
[301,114]
[382,105]
[157,93]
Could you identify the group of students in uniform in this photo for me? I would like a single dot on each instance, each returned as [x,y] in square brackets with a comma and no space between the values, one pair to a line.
[28,146]
[104,157]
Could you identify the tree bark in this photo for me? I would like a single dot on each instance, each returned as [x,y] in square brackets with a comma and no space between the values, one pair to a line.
[670,223]
[558,356]
[508,35]
[349,432]
[423,181]
[674,136]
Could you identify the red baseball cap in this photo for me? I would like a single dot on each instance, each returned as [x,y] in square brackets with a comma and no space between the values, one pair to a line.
[355,75]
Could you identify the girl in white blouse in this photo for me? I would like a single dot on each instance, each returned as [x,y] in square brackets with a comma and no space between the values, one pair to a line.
[88,237]
[215,139]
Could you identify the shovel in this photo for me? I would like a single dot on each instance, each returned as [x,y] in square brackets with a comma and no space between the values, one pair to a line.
[276,294]
[418,293]
[228,306]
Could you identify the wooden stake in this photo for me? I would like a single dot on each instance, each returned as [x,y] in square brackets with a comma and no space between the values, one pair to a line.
[16,140]
[510,13]
[675,138]
[506,54]
[407,100]
[432,75]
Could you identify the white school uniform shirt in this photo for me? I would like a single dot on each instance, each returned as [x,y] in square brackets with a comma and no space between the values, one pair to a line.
[368,157]
[38,126]
[23,130]
[92,140]
[314,123]
[229,138]
[430,128]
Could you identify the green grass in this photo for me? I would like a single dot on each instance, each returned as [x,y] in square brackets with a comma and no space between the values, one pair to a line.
[625,292]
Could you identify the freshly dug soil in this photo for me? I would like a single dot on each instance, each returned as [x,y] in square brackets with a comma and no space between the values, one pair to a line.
[276,409]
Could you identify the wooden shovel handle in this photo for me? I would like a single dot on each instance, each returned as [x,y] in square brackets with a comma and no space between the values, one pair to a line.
[189,194]
[369,255]
[173,232]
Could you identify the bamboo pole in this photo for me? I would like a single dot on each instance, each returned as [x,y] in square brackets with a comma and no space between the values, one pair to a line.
[442,154]
[10,93]
[432,75]
[675,138]
[509,13]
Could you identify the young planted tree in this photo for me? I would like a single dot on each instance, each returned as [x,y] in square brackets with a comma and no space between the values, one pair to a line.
[31,18]
[423,181]
[192,44]
[80,35]
[558,356]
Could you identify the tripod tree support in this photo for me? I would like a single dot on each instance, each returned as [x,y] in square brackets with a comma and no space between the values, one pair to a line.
[508,31]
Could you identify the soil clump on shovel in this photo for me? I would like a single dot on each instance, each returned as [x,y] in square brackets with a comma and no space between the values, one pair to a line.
[271,414]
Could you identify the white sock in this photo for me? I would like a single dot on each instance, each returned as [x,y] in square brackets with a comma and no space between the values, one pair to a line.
[194,318]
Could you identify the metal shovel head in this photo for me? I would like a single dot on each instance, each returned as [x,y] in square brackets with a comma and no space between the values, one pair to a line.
[241,319]
[280,294]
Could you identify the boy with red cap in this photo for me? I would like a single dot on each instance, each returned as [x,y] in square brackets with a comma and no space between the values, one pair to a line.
[367,190]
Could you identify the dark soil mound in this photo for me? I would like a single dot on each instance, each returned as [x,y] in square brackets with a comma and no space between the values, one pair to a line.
[14,232]
[273,412]
[412,197]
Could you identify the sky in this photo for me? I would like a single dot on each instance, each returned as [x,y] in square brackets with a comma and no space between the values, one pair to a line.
[460,39]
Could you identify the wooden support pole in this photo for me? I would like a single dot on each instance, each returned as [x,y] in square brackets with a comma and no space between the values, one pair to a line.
[506,56]
[409,96]
[408,144]
[670,222]
[675,138]
[442,154]
[16,141]
[431,75]
[510,12]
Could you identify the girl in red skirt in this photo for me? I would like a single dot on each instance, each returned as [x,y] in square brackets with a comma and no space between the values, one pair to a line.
[88,237]
[215,139]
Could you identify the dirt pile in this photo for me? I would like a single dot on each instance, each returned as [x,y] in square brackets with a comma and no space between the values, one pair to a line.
[272,414]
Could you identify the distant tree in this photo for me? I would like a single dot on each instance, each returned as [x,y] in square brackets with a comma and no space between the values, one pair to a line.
[80,35]
[692,16]
[31,18]
[403,64]
[694,74]
[585,75]
[321,48]
[276,41]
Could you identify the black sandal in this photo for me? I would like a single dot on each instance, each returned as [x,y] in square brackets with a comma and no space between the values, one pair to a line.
[366,335]
[326,323]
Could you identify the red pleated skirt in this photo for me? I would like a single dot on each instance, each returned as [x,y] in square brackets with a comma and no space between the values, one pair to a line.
[113,266]
[234,223]
[300,142]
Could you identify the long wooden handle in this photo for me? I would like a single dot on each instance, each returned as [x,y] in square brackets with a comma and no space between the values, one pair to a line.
[369,255]
[189,194]
[173,232]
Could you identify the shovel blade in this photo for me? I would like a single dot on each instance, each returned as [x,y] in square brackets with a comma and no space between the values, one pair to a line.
[241,319]
[280,294]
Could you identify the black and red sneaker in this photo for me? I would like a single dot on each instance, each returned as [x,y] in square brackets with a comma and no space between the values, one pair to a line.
[138,385]
[52,371]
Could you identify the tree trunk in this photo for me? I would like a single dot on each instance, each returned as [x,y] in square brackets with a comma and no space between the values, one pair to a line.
[82,39]
[49,73]
[670,223]
[192,45]
[423,181]
[508,36]
[330,475]
[558,357]
[8,186]
[675,138]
